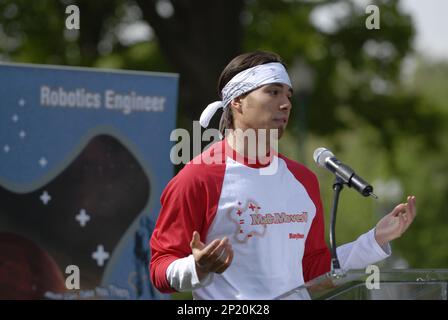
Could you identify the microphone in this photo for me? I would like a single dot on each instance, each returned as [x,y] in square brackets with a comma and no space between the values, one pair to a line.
[326,159]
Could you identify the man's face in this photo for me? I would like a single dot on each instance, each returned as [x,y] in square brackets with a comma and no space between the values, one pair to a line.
[267,107]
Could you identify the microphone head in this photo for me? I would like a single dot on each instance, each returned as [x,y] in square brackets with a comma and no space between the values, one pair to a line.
[321,155]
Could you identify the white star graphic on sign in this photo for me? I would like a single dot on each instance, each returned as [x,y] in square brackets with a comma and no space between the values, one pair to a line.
[45,197]
[22,134]
[15,118]
[100,255]
[82,217]
[43,162]
[6,148]
[22,102]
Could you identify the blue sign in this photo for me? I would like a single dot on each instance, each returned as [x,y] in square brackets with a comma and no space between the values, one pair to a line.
[84,157]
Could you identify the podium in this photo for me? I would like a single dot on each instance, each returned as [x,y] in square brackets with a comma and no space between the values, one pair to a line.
[394,284]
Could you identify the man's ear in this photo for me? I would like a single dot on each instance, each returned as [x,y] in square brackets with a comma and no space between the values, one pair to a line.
[237,104]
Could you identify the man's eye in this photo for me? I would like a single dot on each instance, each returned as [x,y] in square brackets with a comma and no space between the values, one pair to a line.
[274,92]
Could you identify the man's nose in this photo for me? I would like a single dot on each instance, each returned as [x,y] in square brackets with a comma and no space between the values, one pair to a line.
[286,103]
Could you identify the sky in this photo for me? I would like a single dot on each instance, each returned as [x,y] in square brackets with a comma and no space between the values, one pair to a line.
[429,17]
[431,22]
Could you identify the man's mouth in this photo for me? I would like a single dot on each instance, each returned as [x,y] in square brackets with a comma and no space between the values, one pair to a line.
[281,120]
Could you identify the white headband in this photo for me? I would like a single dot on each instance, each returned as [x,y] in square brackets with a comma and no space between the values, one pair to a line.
[245,81]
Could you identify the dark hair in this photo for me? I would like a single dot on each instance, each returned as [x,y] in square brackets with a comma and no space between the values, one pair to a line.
[238,64]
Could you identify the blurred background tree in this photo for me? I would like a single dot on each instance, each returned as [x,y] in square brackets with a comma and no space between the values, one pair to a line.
[353,91]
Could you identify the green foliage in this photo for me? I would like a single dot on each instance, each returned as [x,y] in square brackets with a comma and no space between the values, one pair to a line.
[424,171]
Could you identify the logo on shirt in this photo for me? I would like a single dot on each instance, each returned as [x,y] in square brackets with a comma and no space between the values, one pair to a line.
[250,222]
[296,236]
[277,218]
[240,216]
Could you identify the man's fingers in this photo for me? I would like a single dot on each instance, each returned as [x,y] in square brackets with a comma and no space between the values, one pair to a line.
[398,209]
[403,223]
[406,217]
[196,236]
[202,257]
[224,265]
[220,257]
[195,242]
[411,206]
[210,247]
[410,211]
[212,256]
[194,239]
[216,252]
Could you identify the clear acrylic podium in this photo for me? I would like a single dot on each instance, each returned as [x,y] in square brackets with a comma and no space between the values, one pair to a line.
[394,284]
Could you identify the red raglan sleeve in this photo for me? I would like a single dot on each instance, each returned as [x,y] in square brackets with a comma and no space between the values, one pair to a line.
[183,205]
[317,258]
[188,203]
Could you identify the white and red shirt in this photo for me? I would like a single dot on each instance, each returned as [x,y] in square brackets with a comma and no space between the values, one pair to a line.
[274,223]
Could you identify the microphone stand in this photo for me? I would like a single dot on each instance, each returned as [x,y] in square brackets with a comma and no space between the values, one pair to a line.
[336,270]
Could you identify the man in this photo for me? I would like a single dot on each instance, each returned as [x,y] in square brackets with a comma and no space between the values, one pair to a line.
[241,221]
